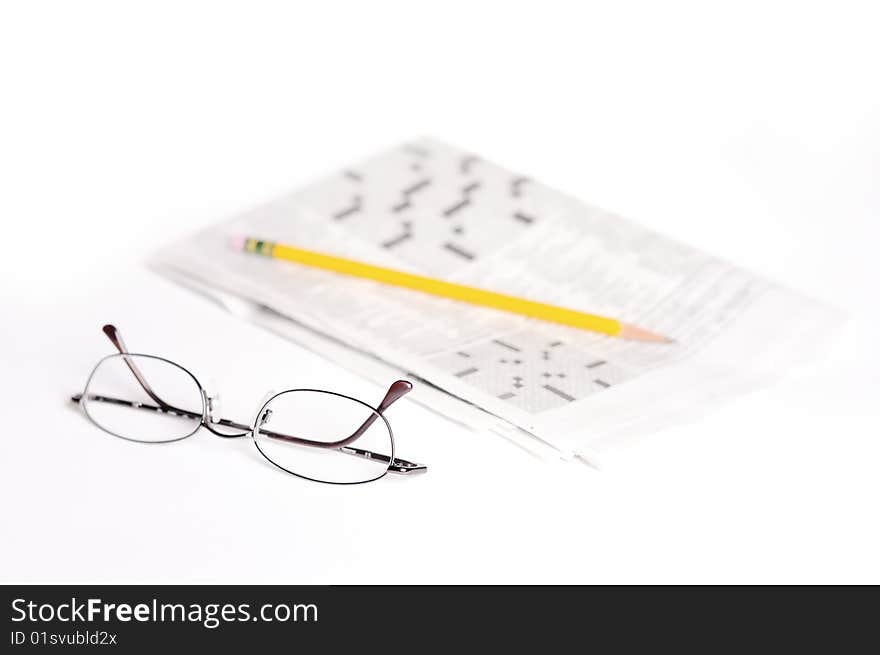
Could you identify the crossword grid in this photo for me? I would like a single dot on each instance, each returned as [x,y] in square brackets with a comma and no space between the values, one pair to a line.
[425,199]
[530,371]
[440,209]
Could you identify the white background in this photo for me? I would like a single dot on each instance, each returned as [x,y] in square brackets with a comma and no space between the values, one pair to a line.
[750,130]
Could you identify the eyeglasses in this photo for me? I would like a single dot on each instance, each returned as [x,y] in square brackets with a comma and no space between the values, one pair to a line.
[318,435]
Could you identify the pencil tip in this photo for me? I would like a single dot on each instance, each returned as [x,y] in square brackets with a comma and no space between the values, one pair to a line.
[636,333]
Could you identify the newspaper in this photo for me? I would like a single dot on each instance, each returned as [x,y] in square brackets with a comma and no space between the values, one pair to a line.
[436,210]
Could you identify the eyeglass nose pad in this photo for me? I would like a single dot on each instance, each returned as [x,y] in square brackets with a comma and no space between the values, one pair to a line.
[214,407]
[212,401]
[261,417]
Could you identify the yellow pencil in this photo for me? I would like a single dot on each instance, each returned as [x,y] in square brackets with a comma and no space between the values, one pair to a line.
[451,290]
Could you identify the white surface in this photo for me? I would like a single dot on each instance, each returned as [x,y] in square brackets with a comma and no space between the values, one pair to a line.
[752,132]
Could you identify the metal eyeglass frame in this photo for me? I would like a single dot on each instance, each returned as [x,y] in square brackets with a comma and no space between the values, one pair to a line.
[207,420]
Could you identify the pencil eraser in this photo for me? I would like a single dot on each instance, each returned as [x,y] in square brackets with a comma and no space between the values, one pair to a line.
[237,242]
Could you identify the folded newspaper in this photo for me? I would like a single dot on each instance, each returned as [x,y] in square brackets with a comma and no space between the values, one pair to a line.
[433,209]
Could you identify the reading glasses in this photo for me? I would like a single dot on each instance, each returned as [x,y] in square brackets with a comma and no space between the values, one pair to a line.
[315,434]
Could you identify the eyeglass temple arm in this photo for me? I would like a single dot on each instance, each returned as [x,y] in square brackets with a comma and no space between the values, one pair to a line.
[395,392]
[116,339]
[165,409]
[396,465]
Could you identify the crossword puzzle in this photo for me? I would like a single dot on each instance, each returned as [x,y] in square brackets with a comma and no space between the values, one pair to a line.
[533,372]
[432,205]
[439,208]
